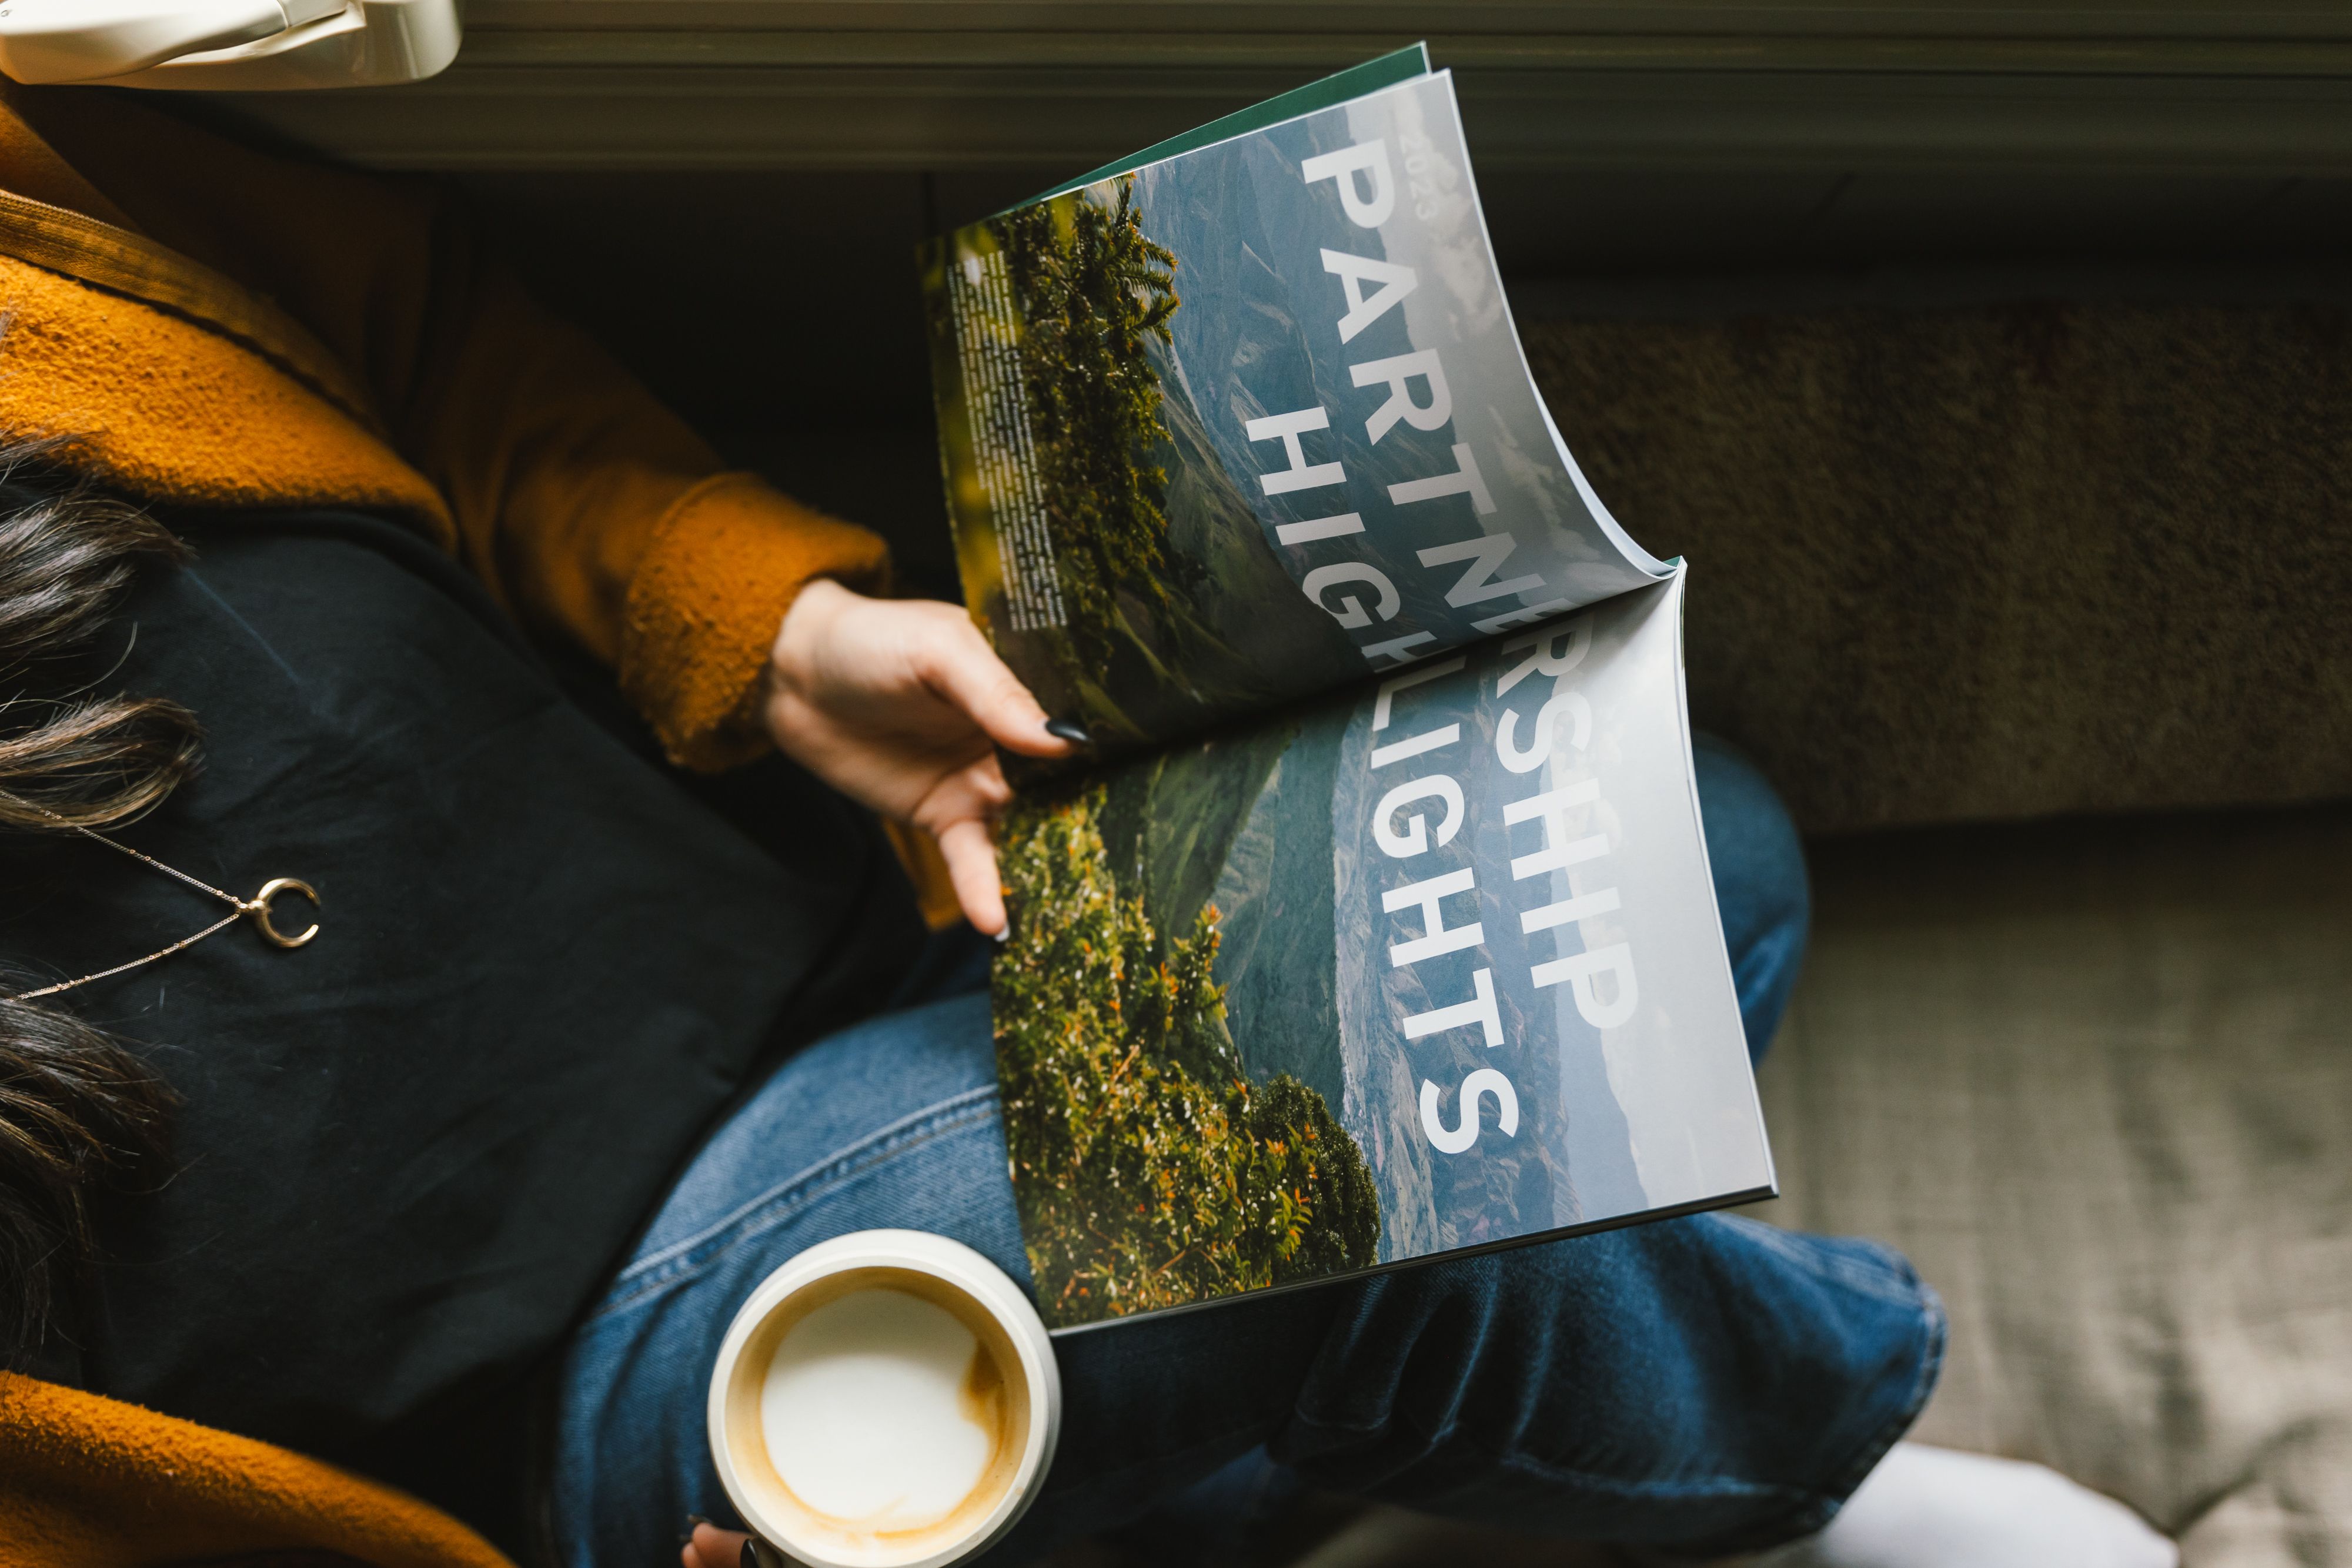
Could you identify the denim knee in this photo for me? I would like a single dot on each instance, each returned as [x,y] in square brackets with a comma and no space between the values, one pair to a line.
[1708,1380]
[1760,888]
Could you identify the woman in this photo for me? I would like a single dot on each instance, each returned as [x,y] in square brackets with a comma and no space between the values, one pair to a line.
[460,1192]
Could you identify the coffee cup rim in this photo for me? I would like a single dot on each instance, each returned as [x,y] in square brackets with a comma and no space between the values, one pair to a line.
[953,1264]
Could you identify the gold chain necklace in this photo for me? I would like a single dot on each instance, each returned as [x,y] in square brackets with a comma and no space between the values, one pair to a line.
[256,909]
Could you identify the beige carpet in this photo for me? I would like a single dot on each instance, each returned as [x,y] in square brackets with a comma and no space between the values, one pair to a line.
[1994,561]
[2096,1080]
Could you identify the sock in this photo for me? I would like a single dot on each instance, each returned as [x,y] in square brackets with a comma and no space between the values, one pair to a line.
[1938,1508]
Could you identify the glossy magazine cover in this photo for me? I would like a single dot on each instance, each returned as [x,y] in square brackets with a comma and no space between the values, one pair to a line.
[1376,922]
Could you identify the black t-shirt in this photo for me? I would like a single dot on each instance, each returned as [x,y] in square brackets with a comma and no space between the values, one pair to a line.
[411,1153]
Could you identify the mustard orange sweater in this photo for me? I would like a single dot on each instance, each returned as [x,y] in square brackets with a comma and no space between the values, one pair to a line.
[209,325]
[86,1482]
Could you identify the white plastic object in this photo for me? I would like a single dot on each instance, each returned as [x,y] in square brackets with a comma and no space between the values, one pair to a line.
[231,45]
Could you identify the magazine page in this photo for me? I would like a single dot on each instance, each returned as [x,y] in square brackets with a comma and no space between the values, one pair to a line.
[1251,422]
[1428,965]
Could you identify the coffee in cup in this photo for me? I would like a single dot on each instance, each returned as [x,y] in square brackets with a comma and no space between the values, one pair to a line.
[887,1399]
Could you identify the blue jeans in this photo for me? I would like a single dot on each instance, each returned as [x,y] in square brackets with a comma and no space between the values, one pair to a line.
[1708,1385]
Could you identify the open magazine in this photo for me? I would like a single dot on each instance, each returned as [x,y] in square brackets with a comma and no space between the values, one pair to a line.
[1375,923]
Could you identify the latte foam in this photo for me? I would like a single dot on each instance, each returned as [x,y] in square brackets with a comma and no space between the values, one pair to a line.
[883,1413]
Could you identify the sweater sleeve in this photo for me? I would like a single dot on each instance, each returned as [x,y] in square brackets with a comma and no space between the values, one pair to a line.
[590,510]
[127,1487]
[612,527]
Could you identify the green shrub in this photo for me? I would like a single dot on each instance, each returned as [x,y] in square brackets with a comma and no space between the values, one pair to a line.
[1151,1172]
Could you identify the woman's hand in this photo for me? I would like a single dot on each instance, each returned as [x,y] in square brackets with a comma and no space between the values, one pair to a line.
[711,1547]
[895,703]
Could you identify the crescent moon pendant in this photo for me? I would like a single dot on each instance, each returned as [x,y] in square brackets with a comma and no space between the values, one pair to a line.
[258,907]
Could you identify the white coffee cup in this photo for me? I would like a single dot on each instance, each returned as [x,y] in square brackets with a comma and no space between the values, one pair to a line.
[887,1399]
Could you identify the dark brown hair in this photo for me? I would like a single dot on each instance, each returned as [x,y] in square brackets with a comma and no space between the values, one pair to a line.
[77,1108]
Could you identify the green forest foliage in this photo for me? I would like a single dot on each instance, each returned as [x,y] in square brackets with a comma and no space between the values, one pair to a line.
[1149,1170]
[1092,288]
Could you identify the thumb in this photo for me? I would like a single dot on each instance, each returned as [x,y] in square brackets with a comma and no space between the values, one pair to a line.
[711,1547]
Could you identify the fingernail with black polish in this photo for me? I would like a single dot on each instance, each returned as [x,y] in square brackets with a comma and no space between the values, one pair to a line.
[1066,730]
[751,1558]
